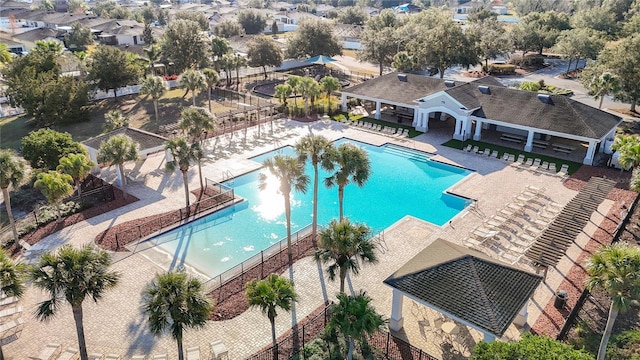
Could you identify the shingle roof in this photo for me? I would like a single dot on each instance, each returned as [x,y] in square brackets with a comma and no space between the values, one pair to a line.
[145,140]
[467,285]
[390,88]
[38,34]
[556,113]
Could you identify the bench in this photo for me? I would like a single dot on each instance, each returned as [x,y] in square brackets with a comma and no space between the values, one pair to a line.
[512,139]
[563,148]
[540,144]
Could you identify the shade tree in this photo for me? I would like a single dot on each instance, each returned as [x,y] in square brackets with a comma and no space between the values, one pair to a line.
[185,46]
[199,17]
[379,39]
[353,15]
[44,148]
[252,21]
[313,38]
[111,68]
[581,43]
[263,51]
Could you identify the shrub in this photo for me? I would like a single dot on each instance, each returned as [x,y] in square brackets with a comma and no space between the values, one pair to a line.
[625,345]
[47,213]
[502,69]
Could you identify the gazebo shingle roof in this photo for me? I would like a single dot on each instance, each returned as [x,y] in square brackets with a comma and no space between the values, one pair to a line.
[145,139]
[467,285]
[390,88]
[556,113]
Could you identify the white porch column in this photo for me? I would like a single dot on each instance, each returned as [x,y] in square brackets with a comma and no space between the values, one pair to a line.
[344,102]
[457,133]
[588,159]
[467,124]
[529,146]
[119,176]
[489,337]
[416,119]
[168,156]
[477,134]
[397,321]
[377,110]
[521,318]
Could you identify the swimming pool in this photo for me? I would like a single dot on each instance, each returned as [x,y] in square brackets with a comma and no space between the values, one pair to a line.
[402,182]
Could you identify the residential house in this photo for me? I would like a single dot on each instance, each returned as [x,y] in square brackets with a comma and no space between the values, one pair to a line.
[30,37]
[349,35]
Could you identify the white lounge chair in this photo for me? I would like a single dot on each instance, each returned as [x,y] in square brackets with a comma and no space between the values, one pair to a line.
[161,357]
[112,357]
[138,357]
[468,148]
[475,149]
[49,352]
[69,354]
[494,154]
[520,160]
[96,356]
[193,353]
[535,189]
[219,350]
[552,168]
[529,162]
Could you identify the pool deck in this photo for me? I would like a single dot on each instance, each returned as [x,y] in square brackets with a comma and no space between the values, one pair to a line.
[116,324]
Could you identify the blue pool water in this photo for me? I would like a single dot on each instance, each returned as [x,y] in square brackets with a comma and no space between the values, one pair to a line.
[402,182]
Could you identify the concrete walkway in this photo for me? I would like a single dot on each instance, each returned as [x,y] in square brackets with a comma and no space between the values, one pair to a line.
[116,324]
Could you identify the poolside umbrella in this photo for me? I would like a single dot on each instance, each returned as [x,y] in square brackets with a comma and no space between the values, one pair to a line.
[320,60]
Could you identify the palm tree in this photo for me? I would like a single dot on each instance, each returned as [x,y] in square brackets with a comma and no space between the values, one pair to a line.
[615,269]
[5,54]
[402,61]
[238,62]
[12,278]
[195,121]
[114,119]
[353,167]
[294,82]
[329,84]
[219,47]
[317,149]
[353,317]
[193,80]
[116,151]
[173,302]
[345,246]
[635,180]
[183,154]
[227,62]
[55,187]
[78,166]
[308,88]
[605,84]
[11,175]
[290,172]
[211,78]
[153,53]
[72,275]
[154,87]
[628,146]
[270,294]
[282,92]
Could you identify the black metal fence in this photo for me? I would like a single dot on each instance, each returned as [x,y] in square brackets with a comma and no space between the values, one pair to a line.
[384,344]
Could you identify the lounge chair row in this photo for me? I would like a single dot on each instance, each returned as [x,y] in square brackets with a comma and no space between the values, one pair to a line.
[387,130]
[530,163]
[54,351]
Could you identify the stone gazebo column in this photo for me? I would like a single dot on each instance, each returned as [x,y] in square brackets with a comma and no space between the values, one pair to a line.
[397,321]
[477,135]
[378,106]
[529,146]
[588,159]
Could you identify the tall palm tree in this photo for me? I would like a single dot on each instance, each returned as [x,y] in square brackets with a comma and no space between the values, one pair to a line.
[270,294]
[155,88]
[615,269]
[72,275]
[282,92]
[316,149]
[183,154]
[12,279]
[353,167]
[290,172]
[173,302]
[227,62]
[55,187]
[116,151]
[308,88]
[193,80]
[353,317]
[294,82]
[628,146]
[196,120]
[238,62]
[211,78]
[329,84]
[605,84]
[11,175]
[115,119]
[345,245]
[219,47]
[78,166]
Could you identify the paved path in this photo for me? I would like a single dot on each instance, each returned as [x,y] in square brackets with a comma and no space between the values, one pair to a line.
[117,325]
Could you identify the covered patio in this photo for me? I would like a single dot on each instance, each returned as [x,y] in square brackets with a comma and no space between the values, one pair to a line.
[470,291]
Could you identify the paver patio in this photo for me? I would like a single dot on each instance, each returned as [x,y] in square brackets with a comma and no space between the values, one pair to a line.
[116,324]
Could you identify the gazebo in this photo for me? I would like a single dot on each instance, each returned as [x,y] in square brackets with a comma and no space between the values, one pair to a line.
[465,285]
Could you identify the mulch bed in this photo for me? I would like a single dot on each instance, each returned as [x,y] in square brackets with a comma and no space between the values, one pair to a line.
[40,233]
[552,320]
[130,231]
[229,298]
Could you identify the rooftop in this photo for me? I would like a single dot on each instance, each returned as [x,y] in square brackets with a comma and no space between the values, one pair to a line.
[145,139]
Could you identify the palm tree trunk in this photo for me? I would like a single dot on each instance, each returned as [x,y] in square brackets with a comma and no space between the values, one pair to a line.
[613,313]
[77,317]
[155,109]
[273,338]
[115,95]
[58,211]
[441,73]
[186,190]
[633,105]
[343,276]
[314,223]
[569,67]
[209,97]
[124,181]
[200,174]
[340,200]
[12,222]
[381,68]
[601,99]
[350,353]
[287,213]
[180,347]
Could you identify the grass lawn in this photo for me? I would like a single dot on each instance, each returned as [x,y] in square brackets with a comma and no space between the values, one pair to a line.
[341,116]
[457,144]
[139,109]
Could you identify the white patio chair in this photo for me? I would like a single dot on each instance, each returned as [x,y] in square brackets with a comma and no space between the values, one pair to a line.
[69,354]
[49,352]
[468,148]
[494,154]
[193,353]
[219,350]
